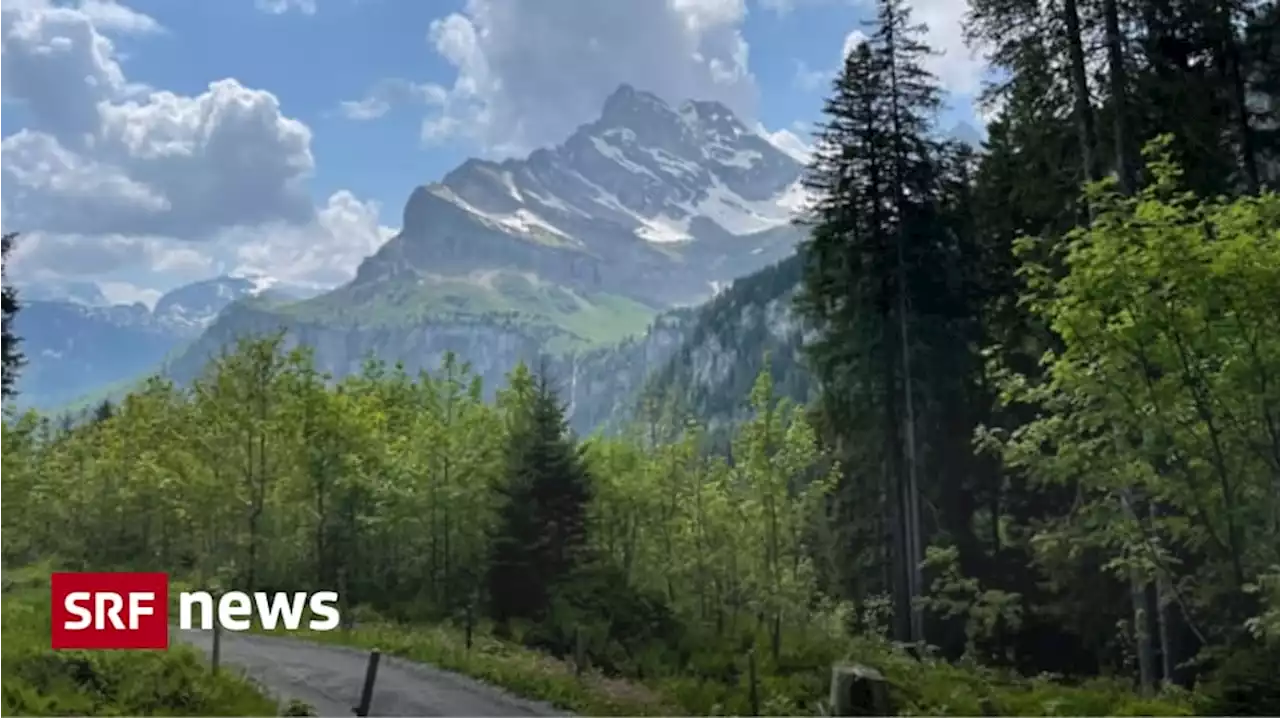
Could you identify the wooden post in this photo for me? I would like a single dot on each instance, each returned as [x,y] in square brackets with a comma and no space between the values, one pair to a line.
[470,624]
[754,690]
[366,694]
[858,690]
[216,653]
[216,656]
[579,652]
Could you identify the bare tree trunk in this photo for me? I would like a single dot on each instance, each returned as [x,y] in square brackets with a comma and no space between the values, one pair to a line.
[1085,129]
[1232,64]
[1118,80]
[914,555]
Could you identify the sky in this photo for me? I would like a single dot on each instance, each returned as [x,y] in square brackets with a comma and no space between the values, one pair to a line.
[151,143]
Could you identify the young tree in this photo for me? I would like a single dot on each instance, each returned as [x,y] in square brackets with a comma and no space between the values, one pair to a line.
[541,530]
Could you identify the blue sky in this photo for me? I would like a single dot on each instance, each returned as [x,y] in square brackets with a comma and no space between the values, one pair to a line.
[150,143]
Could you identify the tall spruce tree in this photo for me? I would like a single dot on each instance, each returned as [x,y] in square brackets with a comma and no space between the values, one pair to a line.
[881,288]
[541,529]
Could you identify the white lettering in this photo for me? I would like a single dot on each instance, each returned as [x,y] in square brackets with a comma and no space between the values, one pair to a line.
[136,608]
[186,601]
[109,606]
[324,603]
[234,610]
[72,604]
[280,604]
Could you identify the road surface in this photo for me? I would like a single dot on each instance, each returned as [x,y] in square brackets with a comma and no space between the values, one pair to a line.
[329,678]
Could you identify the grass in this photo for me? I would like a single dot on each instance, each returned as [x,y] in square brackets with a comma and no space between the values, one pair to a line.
[581,319]
[928,687]
[36,680]
[526,673]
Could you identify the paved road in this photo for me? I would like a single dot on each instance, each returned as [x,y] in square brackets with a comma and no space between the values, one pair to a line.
[329,678]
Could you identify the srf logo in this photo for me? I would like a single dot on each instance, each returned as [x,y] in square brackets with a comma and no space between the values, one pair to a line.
[110,610]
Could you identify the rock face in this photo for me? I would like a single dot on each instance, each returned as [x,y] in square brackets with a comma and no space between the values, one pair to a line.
[651,201]
[648,209]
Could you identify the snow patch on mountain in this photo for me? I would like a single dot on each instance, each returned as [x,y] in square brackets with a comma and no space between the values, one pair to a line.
[645,165]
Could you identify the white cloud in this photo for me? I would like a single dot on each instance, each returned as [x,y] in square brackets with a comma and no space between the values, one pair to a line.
[324,252]
[111,16]
[128,184]
[280,7]
[958,69]
[530,71]
[388,93]
[128,293]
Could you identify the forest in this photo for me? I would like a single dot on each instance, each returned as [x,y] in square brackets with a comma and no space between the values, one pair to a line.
[1040,473]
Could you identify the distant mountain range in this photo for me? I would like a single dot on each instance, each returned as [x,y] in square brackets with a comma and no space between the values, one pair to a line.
[77,343]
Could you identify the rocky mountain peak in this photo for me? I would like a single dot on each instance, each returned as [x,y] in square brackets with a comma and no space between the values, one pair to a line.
[623,192]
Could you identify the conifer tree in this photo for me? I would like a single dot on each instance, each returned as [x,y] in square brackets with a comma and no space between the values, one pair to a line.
[880,257]
[541,529]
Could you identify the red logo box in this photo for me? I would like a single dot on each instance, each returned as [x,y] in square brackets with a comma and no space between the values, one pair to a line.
[109,611]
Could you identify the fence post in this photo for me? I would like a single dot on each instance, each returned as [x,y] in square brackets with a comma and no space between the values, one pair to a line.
[579,651]
[216,657]
[470,623]
[366,694]
[753,689]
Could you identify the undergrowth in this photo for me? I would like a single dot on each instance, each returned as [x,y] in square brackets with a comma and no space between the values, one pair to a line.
[717,682]
[38,681]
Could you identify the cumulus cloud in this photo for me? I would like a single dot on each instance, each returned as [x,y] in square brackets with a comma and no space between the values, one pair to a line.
[959,69]
[324,252]
[111,176]
[43,256]
[529,72]
[111,16]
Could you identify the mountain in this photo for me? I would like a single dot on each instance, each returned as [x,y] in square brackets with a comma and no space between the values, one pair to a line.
[77,344]
[192,307]
[698,362]
[648,208]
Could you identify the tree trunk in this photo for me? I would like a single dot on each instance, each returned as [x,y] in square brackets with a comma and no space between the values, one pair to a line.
[1085,130]
[1118,80]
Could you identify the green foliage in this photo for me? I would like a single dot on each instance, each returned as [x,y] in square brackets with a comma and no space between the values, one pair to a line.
[40,681]
[1244,684]
[1161,391]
